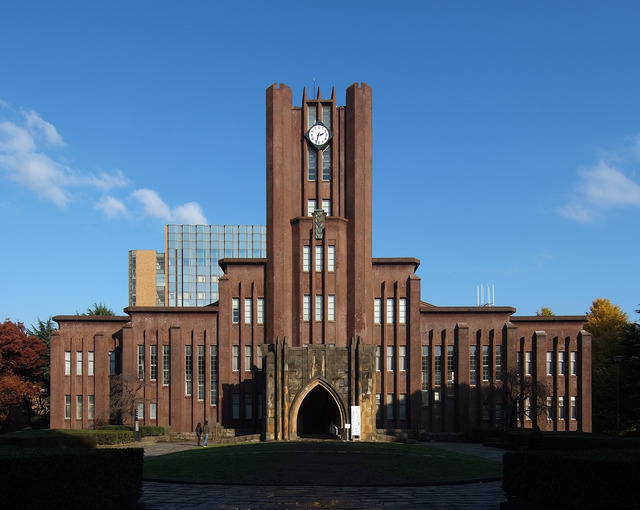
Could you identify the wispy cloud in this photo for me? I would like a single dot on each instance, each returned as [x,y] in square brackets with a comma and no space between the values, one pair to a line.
[29,148]
[605,186]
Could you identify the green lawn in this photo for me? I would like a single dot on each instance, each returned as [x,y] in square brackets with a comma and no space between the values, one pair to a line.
[319,463]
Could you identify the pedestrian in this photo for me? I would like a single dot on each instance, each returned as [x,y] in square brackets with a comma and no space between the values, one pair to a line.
[206,431]
[199,431]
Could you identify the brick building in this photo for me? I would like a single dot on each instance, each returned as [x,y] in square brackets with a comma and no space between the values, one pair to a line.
[320,336]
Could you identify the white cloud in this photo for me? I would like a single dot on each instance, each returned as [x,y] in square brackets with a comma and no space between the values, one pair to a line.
[604,186]
[189,214]
[154,206]
[112,207]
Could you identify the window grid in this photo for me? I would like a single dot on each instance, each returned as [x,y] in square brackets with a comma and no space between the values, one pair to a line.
[402,358]
[402,406]
[390,360]
[378,358]
[326,206]
[153,411]
[312,165]
[91,407]
[166,364]
[390,409]
[188,370]
[235,358]
[561,363]
[78,407]
[450,367]
[402,311]
[549,363]
[140,361]
[248,358]
[67,365]
[91,367]
[331,258]
[425,375]
[331,307]
[235,310]
[153,362]
[573,360]
[527,363]
[214,375]
[306,307]
[326,164]
[437,365]
[473,365]
[389,310]
[311,207]
[306,258]
[377,310]
[319,308]
[247,311]
[79,363]
[260,311]
[67,401]
[319,260]
[201,372]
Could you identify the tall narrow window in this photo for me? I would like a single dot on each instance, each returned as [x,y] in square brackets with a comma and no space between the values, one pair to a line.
[402,358]
[214,375]
[153,411]
[312,167]
[378,407]
[573,360]
[260,311]
[319,308]
[326,115]
[331,307]
[549,408]
[311,207]
[248,406]
[91,407]
[153,362]
[113,367]
[389,310]
[473,365]
[235,406]
[518,363]
[235,358]
[390,360]
[402,406]
[248,312]
[67,364]
[437,352]
[377,310]
[451,376]
[498,370]
[528,364]
[331,258]
[188,370]
[140,361]
[574,408]
[312,112]
[67,403]
[378,358]
[425,375]
[561,363]
[549,363]
[258,358]
[390,409]
[78,407]
[248,358]
[306,258]
[166,364]
[561,415]
[306,307]
[326,206]
[235,310]
[485,362]
[91,363]
[326,164]
[79,363]
[200,372]
[141,411]
[402,311]
[319,259]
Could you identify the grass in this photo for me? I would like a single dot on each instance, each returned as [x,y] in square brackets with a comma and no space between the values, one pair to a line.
[320,463]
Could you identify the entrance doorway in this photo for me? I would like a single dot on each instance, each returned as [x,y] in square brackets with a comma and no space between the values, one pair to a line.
[317,413]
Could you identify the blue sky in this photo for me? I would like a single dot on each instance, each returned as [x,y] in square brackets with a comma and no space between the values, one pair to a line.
[506,138]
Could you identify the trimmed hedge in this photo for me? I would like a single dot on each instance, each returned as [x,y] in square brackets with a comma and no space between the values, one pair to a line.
[50,439]
[70,478]
[520,439]
[589,480]
[145,430]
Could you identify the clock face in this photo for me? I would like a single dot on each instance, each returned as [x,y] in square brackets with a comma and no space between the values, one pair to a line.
[319,135]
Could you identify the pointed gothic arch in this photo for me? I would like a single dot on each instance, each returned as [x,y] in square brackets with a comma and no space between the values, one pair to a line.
[314,409]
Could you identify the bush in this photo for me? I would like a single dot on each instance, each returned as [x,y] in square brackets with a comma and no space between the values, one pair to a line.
[50,439]
[149,430]
[70,478]
[551,440]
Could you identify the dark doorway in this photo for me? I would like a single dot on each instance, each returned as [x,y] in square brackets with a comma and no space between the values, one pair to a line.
[317,413]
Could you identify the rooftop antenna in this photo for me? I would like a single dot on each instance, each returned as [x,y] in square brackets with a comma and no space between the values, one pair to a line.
[491,295]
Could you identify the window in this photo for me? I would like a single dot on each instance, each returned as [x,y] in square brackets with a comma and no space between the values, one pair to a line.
[188,370]
[141,411]
[312,168]
[326,115]
[549,363]
[260,311]
[311,115]
[67,401]
[486,412]
[248,358]
[248,406]
[561,415]
[561,363]
[390,360]
[201,372]
[311,207]
[235,358]
[235,310]
[153,362]
[498,414]
[378,358]
[235,406]
[425,375]
[67,362]
[574,408]
[153,411]
[331,307]
[91,406]
[498,361]
[166,364]
[326,206]
[247,311]
[140,361]
[306,258]
[518,363]
[450,368]
[378,407]
[331,258]
[306,307]
[390,410]
[402,355]
[319,259]
[78,407]
[319,308]
[214,375]
[549,408]
[402,406]
[112,362]
[258,358]
[527,363]
[573,361]
[473,365]
[326,164]
[91,362]
[402,311]
[389,310]
[79,363]
[485,363]
[437,352]
[377,310]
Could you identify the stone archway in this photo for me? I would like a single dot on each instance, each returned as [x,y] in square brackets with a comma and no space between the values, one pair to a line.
[315,410]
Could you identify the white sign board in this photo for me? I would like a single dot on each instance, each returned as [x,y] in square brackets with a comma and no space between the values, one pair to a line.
[355,421]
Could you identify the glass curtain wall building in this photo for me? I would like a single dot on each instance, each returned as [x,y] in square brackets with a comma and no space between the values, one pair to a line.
[192,255]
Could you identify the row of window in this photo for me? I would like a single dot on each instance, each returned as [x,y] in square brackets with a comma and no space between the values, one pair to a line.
[248,310]
[91,407]
[79,362]
[312,164]
[560,363]
[319,258]
[390,311]
[312,205]
[319,307]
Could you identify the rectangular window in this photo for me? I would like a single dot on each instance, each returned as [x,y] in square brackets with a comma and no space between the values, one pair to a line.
[378,358]
[248,406]
[319,308]
[235,310]
[67,364]
[326,164]
[402,311]
[527,363]
[235,358]
[390,360]
[549,363]
[389,310]
[402,406]
[473,365]
[67,401]
[450,368]
[326,115]
[390,410]
[574,408]
[260,311]
[499,411]
[498,369]
[306,307]
[248,312]
[311,207]
[378,407]
[306,258]
[402,358]
[319,259]
[91,363]
[166,364]
[561,363]
[153,411]
[201,372]
[331,307]
[326,206]
[112,363]
[188,370]
[561,415]
[141,411]
[425,375]
[258,358]
[377,310]
[213,361]
[78,407]
[140,361]
[312,168]
[486,412]
[518,363]
[573,360]
[79,363]
[485,363]
[331,258]
[91,407]
[248,358]
[437,353]
[235,406]
[311,115]
[549,408]
[153,362]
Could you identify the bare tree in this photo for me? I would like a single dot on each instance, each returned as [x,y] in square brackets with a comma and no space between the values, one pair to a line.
[127,391]
[524,396]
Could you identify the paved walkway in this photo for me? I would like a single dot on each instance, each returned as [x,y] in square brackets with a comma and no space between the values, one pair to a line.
[477,496]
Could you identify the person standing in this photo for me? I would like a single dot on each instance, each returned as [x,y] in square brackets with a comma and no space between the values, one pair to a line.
[199,431]
[206,432]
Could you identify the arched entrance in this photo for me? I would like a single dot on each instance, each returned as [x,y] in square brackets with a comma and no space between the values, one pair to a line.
[317,412]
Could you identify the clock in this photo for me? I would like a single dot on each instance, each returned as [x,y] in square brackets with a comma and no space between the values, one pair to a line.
[319,135]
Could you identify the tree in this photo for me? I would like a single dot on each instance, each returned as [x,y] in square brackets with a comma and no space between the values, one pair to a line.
[99,309]
[606,323]
[629,372]
[43,331]
[126,393]
[545,312]
[524,396]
